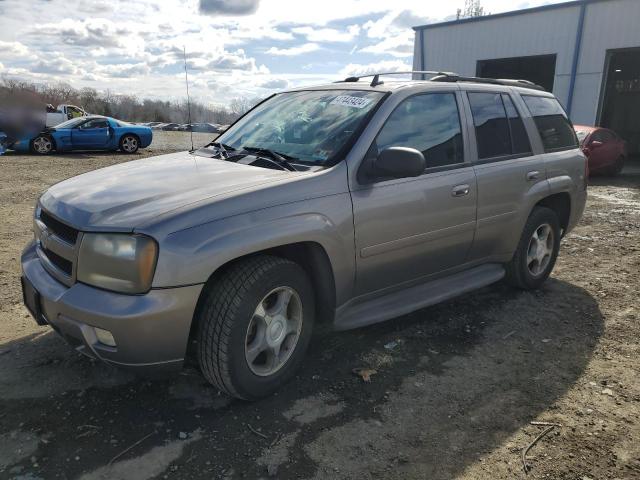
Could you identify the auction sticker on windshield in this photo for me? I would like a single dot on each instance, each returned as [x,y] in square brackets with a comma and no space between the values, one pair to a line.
[349,101]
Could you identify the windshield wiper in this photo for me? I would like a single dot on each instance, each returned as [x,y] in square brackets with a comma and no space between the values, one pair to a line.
[278,158]
[223,148]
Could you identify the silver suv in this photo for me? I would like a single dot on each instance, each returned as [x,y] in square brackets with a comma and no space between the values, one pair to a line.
[349,203]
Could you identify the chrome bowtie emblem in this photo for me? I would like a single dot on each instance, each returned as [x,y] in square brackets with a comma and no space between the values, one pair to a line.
[44,238]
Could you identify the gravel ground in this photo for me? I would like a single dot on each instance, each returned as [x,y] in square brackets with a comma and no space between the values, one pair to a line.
[456,389]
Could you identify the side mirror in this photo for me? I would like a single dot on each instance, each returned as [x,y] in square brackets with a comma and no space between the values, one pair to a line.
[399,162]
[595,144]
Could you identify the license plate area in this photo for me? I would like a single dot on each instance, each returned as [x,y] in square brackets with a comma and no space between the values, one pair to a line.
[31,299]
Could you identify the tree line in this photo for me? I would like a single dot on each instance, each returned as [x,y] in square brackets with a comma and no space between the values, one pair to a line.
[125,107]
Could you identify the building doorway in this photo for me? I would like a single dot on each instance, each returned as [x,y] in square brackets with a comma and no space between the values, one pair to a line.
[620,99]
[539,69]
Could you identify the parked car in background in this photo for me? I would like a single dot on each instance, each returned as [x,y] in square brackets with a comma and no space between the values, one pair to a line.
[172,127]
[62,114]
[604,148]
[88,133]
[202,127]
[427,189]
[153,124]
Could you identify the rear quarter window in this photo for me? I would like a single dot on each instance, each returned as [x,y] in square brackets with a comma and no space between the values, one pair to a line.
[552,122]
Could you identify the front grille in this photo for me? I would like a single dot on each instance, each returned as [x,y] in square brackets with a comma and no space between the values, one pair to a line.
[62,263]
[65,232]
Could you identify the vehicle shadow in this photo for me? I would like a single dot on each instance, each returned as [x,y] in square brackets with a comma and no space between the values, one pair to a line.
[452,383]
[628,178]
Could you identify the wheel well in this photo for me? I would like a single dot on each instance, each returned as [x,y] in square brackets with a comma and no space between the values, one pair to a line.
[561,204]
[129,133]
[314,260]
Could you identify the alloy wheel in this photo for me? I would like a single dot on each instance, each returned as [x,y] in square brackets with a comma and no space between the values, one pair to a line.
[273,332]
[129,144]
[540,249]
[42,145]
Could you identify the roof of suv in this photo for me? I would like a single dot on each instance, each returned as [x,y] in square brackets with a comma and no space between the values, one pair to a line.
[465,83]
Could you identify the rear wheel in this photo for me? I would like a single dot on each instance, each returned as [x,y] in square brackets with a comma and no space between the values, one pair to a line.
[537,250]
[129,143]
[42,144]
[254,326]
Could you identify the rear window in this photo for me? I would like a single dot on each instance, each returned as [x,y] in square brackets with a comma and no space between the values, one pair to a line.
[554,126]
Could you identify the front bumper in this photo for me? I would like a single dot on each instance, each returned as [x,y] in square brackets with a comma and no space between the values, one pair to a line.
[151,331]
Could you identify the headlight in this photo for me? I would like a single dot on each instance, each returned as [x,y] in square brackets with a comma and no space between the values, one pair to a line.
[116,261]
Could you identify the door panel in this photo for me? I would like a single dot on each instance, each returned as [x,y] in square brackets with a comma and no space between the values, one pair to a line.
[506,171]
[503,190]
[407,229]
[92,134]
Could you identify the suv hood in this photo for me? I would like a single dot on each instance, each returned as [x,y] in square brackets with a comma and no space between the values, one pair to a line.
[128,195]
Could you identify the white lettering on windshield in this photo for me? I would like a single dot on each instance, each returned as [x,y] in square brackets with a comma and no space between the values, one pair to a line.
[349,101]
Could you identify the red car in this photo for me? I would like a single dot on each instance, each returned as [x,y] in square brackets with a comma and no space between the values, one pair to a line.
[604,149]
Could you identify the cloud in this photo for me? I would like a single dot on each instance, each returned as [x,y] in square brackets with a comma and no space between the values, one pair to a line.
[292,51]
[274,83]
[228,7]
[13,49]
[92,32]
[355,69]
[396,46]
[57,64]
[125,71]
[328,34]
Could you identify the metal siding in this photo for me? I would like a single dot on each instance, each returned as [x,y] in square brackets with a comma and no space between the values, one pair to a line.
[607,25]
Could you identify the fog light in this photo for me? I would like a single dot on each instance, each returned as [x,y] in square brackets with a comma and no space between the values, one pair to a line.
[105,337]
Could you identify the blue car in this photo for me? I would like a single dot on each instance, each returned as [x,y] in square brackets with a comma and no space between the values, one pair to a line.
[88,133]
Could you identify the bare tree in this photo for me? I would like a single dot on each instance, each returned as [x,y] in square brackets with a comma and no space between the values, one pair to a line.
[472,8]
[125,107]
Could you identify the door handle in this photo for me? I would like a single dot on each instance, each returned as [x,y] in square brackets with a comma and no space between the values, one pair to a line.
[533,175]
[460,190]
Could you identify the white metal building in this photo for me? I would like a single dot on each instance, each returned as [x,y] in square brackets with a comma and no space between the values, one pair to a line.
[587,52]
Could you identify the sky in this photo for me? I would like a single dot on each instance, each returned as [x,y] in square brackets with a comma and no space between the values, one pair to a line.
[234,48]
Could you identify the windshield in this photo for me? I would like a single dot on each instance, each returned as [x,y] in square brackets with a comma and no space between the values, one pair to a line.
[71,123]
[310,126]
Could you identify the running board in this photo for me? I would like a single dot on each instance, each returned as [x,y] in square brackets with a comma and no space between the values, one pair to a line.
[414,298]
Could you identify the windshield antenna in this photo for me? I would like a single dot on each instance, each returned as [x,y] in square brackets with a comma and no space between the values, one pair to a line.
[186,80]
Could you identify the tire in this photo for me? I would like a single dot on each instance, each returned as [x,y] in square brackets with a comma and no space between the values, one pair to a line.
[532,265]
[231,323]
[43,144]
[129,143]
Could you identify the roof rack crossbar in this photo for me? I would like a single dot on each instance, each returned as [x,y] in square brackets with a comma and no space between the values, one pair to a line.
[376,76]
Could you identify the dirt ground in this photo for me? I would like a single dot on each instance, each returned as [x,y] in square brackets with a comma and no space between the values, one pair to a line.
[456,389]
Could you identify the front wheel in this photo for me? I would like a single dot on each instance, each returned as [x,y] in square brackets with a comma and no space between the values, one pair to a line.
[42,144]
[537,250]
[129,144]
[254,326]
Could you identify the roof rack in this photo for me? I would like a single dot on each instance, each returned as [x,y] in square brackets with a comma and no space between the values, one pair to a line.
[376,76]
[449,77]
[493,81]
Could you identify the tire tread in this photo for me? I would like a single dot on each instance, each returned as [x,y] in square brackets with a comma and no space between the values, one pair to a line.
[226,294]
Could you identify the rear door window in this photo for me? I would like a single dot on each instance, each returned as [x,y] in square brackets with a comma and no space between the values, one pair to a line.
[552,122]
[490,122]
